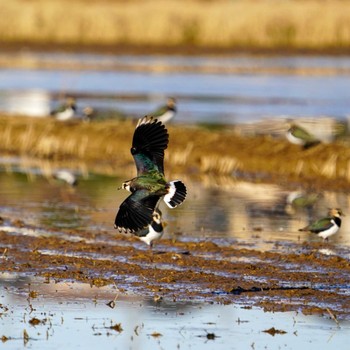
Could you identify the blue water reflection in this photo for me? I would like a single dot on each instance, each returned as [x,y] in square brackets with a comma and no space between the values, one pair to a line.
[75,315]
[221,98]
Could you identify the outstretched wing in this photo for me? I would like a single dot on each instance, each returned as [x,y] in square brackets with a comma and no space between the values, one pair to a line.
[149,142]
[136,211]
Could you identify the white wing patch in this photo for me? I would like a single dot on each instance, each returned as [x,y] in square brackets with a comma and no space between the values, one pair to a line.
[168,197]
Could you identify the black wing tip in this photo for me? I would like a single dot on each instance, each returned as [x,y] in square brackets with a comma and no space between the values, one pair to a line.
[151,123]
[148,119]
[122,229]
[127,226]
[151,139]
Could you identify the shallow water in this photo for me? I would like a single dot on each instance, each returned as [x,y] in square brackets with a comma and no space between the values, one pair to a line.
[73,315]
[230,97]
[258,214]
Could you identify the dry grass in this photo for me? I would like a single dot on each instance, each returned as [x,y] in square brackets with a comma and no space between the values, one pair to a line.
[268,24]
[105,147]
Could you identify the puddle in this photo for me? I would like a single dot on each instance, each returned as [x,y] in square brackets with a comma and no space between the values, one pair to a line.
[73,315]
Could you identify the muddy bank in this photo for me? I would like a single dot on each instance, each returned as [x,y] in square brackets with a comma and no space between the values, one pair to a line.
[304,277]
[215,152]
[183,49]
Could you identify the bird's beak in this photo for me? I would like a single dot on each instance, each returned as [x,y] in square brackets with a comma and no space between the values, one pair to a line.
[165,224]
[120,188]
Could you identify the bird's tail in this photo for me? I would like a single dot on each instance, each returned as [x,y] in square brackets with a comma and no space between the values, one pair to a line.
[176,193]
[310,144]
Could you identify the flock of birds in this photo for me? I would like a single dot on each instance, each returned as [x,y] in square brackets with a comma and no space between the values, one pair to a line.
[69,111]
[139,214]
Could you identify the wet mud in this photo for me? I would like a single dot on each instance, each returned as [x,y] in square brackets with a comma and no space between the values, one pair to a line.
[312,278]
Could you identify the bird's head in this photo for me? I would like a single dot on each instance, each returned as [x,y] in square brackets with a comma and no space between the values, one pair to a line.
[125,186]
[171,103]
[292,128]
[157,218]
[88,111]
[337,212]
[70,102]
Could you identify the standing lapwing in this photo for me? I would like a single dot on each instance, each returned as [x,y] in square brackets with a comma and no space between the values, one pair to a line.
[167,112]
[299,136]
[154,231]
[326,227]
[66,111]
[136,212]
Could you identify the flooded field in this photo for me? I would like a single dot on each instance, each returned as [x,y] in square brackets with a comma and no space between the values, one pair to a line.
[232,270]
[221,246]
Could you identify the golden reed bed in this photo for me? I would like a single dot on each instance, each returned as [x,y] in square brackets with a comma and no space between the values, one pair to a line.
[217,155]
[218,25]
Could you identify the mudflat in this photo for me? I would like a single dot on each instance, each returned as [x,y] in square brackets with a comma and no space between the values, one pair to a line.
[309,277]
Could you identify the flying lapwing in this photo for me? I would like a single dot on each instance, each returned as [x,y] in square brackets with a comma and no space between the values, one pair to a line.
[66,111]
[149,186]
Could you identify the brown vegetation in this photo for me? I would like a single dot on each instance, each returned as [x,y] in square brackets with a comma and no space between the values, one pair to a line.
[218,25]
[194,151]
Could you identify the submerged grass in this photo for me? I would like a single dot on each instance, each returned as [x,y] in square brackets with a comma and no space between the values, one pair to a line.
[193,151]
[248,24]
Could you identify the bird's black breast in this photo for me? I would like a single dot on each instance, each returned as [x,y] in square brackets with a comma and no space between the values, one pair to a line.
[157,227]
[337,221]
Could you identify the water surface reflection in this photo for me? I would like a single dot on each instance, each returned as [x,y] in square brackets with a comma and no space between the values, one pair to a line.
[216,90]
[255,213]
[74,315]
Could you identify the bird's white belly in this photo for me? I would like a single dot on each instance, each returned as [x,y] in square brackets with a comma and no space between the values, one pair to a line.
[166,116]
[330,232]
[65,115]
[292,139]
[151,236]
